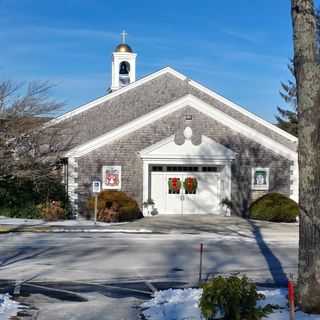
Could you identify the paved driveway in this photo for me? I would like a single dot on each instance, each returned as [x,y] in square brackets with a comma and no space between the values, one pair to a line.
[89,263]
[213,224]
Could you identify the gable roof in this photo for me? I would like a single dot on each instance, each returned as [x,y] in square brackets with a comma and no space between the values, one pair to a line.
[114,94]
[191,101]
[169,70]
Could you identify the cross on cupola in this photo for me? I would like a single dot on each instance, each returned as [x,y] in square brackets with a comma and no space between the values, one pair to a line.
[123,64]
[123,36]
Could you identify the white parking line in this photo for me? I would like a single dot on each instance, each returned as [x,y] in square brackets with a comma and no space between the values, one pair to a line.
[147,283]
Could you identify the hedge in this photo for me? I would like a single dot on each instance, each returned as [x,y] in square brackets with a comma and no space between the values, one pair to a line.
[274,207]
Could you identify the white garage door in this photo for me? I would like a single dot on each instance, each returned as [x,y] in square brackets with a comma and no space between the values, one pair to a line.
[205,199]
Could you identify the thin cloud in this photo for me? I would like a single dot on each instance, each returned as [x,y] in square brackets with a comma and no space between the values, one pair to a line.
[248,36]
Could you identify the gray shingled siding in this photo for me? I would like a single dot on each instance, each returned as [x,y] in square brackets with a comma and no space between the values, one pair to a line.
[126,107]
[124,152]
[143,99]
[241,117]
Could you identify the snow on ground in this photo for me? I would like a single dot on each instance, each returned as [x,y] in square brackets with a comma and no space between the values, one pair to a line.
[62,223]
[102,230]
[182,304]
[173,304]
[8,307]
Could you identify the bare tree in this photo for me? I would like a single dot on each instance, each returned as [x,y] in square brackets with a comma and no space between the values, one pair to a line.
[27,149]
[307,73]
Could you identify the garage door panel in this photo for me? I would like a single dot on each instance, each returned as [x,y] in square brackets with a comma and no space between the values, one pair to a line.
[157,194]
[173,200]
[205,200]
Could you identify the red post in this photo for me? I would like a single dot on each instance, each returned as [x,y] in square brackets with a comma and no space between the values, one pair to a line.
[291,299]
[200,267]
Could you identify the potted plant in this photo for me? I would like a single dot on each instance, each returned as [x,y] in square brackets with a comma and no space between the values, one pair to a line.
[149,205]
[227,206]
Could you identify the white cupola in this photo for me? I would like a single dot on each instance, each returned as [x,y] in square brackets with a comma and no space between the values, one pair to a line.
[123,65]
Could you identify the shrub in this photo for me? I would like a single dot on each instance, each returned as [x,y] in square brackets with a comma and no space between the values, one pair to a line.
[21,197]
[16,192]
[115,206]
[227,202]
[274,207]
[129,213]
[233,298]
[52,211]
[29,211]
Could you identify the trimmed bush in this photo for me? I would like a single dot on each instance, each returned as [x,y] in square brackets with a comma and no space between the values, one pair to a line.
[129,213]
[115,206]
[274,207]
[232,298]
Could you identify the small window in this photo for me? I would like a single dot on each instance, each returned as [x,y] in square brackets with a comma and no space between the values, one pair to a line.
[157,168]
[209,169]
[182,169]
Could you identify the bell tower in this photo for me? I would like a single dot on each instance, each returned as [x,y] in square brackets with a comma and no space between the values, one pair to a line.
[123,65]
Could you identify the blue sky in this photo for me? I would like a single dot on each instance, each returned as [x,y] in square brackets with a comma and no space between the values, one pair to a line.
[240,49]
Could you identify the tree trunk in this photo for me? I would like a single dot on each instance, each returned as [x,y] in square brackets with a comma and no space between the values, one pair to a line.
[307,73]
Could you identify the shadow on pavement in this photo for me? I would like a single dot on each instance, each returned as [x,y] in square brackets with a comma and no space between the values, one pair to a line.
[275,267]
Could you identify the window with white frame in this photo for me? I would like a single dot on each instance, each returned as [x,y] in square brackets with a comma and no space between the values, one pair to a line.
[260,178]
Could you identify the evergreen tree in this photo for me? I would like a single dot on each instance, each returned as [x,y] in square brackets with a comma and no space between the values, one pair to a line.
[287,119]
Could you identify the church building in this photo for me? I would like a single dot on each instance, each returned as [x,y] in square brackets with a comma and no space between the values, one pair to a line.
[169,139]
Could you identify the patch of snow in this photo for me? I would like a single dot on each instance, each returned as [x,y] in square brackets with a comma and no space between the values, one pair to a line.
[279,297]
[103,230]
[78,223]
[274,297]
[62,223]
[183,304]
[173,304]
[8,307]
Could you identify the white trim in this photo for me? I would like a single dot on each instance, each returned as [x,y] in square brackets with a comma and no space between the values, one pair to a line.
[146,183]
[72,184]
[187,100]
[146,193]
[111,95]
[243,111]
[180,76]
[143,153]
[186,161]
[168,149]
[117,59]
[294,177]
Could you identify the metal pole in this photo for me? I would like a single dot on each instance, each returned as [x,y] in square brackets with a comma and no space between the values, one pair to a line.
[95,208]
[200,267]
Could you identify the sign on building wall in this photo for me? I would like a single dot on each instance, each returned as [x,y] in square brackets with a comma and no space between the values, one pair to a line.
[260,178]
[96,186]
[111,177]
